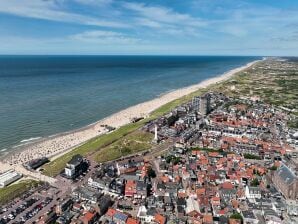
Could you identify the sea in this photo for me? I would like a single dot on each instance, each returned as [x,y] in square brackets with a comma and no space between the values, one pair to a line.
[41,96]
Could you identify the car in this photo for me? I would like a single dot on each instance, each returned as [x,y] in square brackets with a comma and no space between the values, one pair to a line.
[11,216]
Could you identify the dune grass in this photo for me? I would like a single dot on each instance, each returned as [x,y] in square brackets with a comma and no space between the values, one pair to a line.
[15,190]
[134,142]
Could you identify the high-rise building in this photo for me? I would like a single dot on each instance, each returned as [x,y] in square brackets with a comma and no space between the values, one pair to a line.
[205,106]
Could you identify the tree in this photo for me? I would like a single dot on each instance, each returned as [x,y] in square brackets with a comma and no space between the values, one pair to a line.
[251,156]
[255,182]
[151,173]
[176,160]
[273,168]
[236,216]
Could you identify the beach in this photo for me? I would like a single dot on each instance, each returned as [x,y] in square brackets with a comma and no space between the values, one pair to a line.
[57,145]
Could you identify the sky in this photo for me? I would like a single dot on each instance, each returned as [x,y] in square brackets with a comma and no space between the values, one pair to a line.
[151,27]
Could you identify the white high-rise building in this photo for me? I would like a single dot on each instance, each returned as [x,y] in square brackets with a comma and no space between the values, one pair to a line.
[205,106]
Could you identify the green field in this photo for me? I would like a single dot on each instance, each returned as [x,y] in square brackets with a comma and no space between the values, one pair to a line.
[15,190]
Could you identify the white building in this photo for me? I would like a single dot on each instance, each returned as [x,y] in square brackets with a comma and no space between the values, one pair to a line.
[192,206]
[144,215]
[292,207]
[253,192]
[9,177]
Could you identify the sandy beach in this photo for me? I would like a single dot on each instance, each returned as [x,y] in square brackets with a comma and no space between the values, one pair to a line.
[55,146]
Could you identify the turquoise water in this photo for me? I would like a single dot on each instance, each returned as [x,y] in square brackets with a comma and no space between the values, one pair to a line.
[45,95]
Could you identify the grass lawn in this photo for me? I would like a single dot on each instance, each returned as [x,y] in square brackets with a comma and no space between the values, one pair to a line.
[15,190]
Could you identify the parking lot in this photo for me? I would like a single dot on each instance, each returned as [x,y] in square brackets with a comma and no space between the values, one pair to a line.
[20,209]
[26,210]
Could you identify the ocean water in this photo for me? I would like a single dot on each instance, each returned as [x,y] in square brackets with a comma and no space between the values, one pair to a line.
[44,95]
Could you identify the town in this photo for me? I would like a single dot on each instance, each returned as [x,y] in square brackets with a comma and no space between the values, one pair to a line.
[214,159]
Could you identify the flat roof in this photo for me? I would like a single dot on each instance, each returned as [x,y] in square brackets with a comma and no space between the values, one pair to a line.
[8,175]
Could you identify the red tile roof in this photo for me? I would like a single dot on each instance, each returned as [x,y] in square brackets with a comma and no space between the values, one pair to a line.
[227,185]
[132,221]
[111,212]
[160,219]
[89,216]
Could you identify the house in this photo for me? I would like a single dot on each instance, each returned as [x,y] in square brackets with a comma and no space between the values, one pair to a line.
[110,214]
[207,219]
[132,221]
[90,217]
[192,207]
[249,217]
[65,218]
[271,217]
[104,203]
[85,194]
[141,189]
[120,218]
[228,194]
[234,221]
[181,205]
[252,192]
[160,219]
[49,217]
[146,215]
[215,201]
[292,207]
[130,188]
[64,205]
[101,183]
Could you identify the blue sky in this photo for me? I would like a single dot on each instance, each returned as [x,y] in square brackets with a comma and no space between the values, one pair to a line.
[169,27]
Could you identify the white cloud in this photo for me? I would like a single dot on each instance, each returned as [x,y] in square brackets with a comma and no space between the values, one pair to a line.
[51,10]
[95,2]
[104,37]
[148,23]
[164,15]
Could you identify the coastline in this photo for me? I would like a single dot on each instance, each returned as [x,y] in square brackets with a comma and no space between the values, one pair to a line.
[57,145]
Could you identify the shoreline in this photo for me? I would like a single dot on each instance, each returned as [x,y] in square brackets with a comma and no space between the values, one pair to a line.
[57,145]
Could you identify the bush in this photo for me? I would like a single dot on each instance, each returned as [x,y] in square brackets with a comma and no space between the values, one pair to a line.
[236,216]
[251,156]
[173,159]
[151,173]
[273,168]
[255,182]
